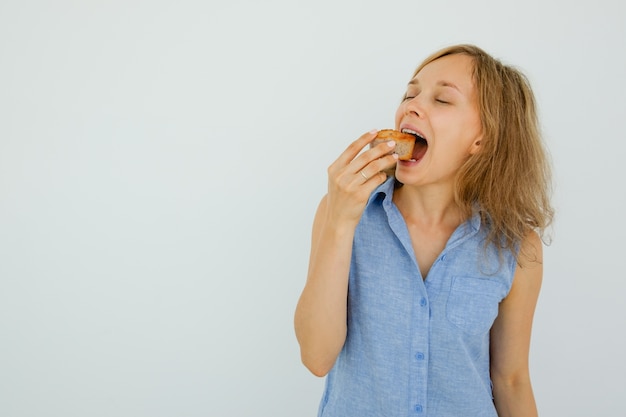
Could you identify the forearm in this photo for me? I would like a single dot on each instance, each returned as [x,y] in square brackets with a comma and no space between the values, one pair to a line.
[514,397]
[321,314]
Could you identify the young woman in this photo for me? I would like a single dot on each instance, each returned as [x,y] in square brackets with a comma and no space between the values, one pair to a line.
[422,286]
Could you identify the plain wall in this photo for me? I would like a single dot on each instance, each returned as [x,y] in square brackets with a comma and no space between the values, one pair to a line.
[161,162]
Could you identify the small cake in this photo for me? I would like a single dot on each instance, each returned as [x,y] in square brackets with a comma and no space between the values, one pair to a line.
[404,142]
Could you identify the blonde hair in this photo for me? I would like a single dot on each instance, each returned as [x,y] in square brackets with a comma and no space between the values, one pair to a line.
[509,179]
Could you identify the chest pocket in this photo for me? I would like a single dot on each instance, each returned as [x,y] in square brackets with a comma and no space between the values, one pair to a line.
[472,304]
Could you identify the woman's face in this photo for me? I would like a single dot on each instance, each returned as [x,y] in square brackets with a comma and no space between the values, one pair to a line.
[441,106]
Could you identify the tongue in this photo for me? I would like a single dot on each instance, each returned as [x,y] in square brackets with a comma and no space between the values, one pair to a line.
[419,149]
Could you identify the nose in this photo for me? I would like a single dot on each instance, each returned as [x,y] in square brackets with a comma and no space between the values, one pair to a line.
[413,106]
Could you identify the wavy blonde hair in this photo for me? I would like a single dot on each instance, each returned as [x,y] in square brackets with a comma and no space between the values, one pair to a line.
[509,179]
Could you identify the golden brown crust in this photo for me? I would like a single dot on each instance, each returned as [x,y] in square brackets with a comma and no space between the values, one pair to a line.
[389,134]
[404,142]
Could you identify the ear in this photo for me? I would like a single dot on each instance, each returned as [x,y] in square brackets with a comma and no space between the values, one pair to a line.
[475,146]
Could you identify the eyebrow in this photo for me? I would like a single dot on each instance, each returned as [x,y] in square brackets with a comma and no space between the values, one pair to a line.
[415,81]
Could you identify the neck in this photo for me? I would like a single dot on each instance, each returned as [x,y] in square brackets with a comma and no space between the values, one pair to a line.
[431,206]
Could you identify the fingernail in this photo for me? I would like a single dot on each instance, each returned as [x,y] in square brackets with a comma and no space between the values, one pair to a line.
[373,131]
[391,143]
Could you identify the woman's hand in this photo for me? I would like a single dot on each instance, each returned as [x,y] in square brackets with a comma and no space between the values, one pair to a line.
[353,177]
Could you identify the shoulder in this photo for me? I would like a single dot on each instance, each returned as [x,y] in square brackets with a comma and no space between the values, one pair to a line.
[529,271]
[531,251]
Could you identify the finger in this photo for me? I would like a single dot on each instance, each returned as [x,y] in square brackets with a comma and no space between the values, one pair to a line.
[375,167]
[379,151]
[372,183]
[381,164]
[355,147]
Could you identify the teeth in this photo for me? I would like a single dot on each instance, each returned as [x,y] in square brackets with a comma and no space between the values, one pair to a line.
[414,133]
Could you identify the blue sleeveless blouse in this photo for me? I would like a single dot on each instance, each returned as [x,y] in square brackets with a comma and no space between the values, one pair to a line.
[417,347]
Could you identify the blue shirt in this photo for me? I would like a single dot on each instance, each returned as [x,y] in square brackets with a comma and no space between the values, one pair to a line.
[417,347]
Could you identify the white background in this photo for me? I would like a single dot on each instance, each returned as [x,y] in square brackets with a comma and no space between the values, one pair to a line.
[160,164]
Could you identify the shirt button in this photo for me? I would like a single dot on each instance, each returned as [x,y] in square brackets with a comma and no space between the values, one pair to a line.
[419,356]
[423,302]
[418,408]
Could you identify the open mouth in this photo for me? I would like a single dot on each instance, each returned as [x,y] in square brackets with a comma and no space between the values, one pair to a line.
[421,145]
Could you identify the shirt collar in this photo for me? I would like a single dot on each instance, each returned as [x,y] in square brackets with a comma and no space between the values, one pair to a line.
[384,193]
